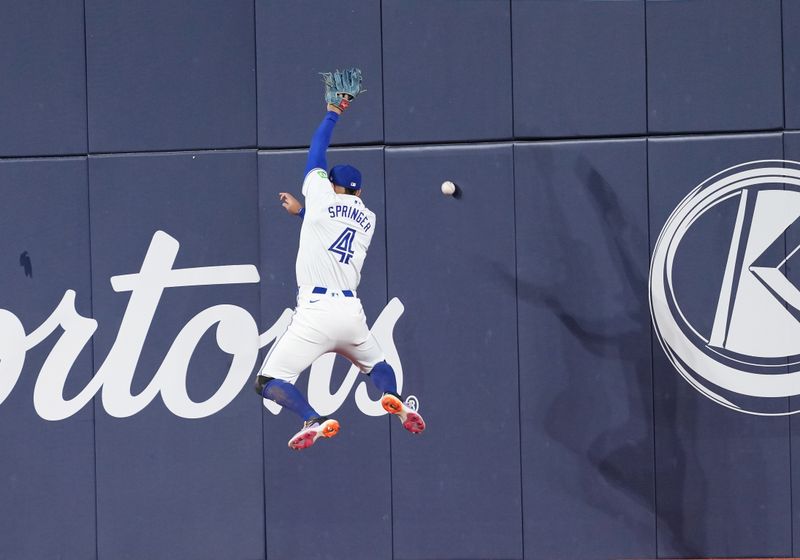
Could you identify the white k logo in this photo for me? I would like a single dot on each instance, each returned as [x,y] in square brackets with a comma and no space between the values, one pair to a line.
[750,359]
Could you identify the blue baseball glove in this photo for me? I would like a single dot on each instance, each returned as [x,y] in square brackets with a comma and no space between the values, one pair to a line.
[341,87]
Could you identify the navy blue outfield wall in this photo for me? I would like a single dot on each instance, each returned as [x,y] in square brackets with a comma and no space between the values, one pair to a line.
[142,139]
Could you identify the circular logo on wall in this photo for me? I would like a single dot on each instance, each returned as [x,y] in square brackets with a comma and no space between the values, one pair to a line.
[723,294]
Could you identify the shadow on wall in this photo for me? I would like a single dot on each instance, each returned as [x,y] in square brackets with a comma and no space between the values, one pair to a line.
[614,454]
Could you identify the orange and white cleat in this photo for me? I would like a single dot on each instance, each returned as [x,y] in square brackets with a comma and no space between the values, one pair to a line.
[313,430]
[411,419]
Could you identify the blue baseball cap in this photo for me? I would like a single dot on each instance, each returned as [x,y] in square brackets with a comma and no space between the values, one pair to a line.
[345,176]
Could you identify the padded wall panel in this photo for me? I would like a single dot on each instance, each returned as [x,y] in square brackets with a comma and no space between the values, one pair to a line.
[170,487]
[791,151]
[791,63]
[345,481]
[579,68]
[456,487]
[714,65]
[47,468]
[296,41]
[728,469]
[167,75]
[585,377]
[43,93]
[461,52]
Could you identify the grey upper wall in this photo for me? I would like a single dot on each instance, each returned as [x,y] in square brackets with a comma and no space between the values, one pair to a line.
[152,75]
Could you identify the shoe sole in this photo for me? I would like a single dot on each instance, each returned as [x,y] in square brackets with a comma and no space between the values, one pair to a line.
[306,438]
[412,421]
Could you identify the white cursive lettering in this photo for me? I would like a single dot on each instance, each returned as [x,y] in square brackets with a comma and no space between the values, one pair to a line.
[236,334]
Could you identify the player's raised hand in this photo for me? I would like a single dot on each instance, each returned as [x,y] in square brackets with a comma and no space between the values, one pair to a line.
[290,203]
[341,87]
[334,108]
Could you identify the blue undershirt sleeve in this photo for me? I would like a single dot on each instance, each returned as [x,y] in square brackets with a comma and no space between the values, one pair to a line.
[320,142]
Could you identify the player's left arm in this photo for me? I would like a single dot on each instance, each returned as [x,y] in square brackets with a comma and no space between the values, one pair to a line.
[321,140]
[316,159]
[341,87]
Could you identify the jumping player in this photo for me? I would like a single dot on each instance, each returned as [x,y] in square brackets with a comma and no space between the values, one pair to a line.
[334,239]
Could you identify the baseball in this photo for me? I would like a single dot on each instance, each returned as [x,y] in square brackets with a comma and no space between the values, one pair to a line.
[448,188]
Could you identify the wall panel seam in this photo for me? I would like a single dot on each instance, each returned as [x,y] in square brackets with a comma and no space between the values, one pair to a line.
[514,141]
[652,350]
[258,365]
[255,69]
[511,49]
[258,224]
[388,424]
[788,400]
[646,84]
[386,264]
[652,357]
[91,341]
[519,366]
[91,275]
[783,66]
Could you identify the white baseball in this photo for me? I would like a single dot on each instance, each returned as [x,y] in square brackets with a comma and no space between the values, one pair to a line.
[448,188]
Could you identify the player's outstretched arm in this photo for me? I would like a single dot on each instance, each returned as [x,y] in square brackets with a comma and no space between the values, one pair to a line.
[321,140]
[341,87]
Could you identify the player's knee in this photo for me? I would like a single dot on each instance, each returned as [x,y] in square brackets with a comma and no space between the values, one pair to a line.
[260,382]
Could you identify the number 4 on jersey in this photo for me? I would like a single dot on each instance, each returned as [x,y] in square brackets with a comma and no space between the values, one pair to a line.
[343,246]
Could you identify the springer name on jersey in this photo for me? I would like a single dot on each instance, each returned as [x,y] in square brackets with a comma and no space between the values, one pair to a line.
[335,237]
[350,213]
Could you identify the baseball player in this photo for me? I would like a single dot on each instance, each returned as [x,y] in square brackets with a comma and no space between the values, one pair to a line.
[334,239]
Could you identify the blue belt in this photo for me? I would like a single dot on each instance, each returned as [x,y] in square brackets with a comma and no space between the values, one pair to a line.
[318,290]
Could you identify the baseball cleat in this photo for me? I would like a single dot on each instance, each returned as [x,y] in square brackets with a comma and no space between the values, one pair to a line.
[412,421]
[312,430]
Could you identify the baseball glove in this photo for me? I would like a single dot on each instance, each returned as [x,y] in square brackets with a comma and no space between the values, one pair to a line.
[341,87]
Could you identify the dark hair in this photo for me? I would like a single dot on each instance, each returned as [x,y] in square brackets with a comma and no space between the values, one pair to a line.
[346,190]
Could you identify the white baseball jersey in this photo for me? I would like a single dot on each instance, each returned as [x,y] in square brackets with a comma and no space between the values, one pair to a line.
[336,233]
